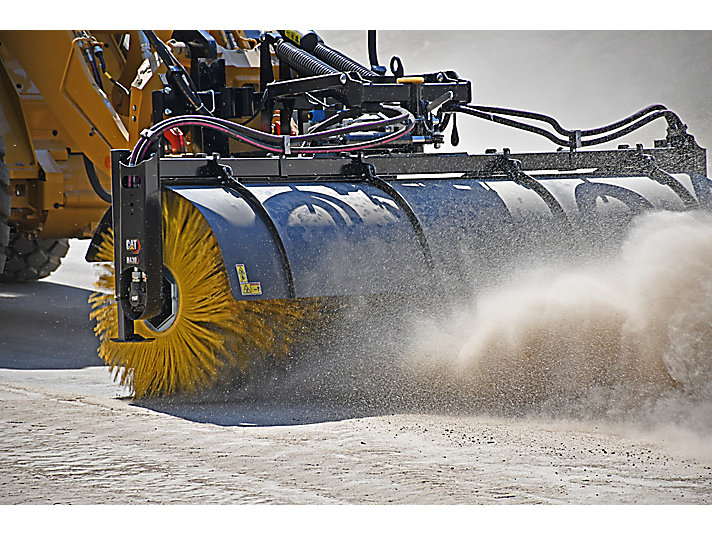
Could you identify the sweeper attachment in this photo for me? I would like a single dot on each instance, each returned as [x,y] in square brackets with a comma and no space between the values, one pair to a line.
[230,252]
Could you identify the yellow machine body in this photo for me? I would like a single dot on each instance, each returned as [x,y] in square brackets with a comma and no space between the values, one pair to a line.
[53,114]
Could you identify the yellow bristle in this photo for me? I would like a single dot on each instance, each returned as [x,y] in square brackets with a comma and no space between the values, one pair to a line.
[212,334]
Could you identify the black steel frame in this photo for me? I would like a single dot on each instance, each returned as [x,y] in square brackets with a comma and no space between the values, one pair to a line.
[137,205]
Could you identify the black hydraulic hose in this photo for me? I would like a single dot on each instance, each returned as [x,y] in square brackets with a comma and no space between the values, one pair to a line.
[523,114]
[184,82]
[99,53]
[396,116]
[628,120]
[358,126]
[160,48]
[165,54]
[668,115]
[275,143]
[94,69]
[143,146]
[555,124]
[672,119]
[102,193]
[301,60]
[372,50]
[507,122]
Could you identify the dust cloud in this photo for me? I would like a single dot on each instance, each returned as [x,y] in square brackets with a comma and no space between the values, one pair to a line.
[625,340]
[622,342]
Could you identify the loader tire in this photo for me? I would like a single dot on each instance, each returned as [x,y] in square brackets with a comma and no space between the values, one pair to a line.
[4,207]
[31,259]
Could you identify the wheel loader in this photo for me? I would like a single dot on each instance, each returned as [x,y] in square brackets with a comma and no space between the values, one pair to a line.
[233,183]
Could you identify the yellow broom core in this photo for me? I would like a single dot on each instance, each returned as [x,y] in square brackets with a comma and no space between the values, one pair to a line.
[212,333]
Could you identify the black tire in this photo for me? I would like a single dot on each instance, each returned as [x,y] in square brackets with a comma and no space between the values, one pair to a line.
[31,259]
[4,206]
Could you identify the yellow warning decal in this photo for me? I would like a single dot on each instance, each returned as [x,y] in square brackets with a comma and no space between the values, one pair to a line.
[247,287]
[241,273]
[251,288]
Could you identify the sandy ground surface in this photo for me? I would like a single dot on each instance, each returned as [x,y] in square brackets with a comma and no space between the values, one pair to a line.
[70,435]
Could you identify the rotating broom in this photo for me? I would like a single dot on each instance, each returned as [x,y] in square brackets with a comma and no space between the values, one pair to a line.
[210,334]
